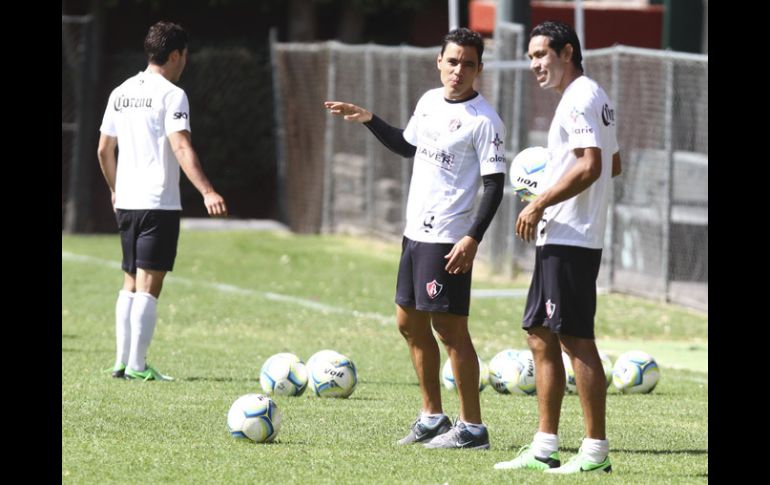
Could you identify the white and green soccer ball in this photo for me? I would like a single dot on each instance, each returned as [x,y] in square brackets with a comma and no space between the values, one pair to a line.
[331,374]
[503,373]
[283,374]
[570,372]
[448,378]
[254,417]
[635,372]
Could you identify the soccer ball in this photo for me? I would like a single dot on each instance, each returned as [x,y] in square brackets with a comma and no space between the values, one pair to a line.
[283,374]
[570,372]
[321,354]
[523,381]
[255,417]
[526,173]
[635,372]
[502,370]
[331,374]
[447,376]
[513,372]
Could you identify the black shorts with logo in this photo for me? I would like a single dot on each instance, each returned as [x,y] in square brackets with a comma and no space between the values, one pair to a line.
[562,295]
[424,284]
[149,238]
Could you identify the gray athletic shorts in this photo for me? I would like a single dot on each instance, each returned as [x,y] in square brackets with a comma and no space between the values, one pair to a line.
[148,238]
[424,284]
[562,295]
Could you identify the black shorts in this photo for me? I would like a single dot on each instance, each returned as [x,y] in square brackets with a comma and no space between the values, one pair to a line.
[562,295]
[149,238]
[424,284]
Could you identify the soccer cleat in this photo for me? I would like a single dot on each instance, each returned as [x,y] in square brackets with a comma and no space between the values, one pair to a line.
[459,436]
[117,371]
[527,459]
[148,374]
[422,432]
[578,464]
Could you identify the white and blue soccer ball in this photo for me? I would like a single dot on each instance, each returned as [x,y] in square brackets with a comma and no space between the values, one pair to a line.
[502,370]
[524,378]
[321,354]
[283,374]
[513,372]
[255,417]
[526,173]
[635,372]
[448,378]
[570,372]
[331,374]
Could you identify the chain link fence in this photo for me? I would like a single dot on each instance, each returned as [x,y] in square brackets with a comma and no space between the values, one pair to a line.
[339,178]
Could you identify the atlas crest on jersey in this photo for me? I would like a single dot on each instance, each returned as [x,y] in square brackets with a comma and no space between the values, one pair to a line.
[433,288]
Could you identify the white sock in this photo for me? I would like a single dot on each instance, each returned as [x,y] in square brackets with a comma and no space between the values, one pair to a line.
[123,326]
[543,444]
[143,318]
[595,450]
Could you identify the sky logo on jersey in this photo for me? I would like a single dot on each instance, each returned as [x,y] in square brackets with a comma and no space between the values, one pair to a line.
[435,156]
[433,288]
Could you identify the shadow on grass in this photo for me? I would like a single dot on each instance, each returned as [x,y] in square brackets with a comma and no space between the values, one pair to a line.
[216,379]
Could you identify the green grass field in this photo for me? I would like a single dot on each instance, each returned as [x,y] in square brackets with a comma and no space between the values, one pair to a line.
[235,298]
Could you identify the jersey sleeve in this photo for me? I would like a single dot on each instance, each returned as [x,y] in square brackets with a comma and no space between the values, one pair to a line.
[177,112]
[488,140]
[108,121]
[581,122]
[412,128]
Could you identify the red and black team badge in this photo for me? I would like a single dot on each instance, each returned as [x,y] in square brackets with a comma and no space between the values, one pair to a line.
[550,308]
[434,288]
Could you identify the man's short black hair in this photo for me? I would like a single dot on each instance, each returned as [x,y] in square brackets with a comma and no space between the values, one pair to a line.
[162,39]
[464,37]
[561,34]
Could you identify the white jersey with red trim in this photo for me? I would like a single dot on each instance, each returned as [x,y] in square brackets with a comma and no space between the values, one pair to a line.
[457,143]
[584,118]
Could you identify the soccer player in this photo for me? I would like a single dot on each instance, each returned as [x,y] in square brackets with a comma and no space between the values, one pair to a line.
[568,222]
[456,139]
[148,120]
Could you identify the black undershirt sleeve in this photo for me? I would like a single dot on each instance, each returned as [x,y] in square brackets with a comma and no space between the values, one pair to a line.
[490,201]
[391,137]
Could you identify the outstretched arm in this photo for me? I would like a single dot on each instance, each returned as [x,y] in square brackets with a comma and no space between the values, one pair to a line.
[181,144]
[390,136]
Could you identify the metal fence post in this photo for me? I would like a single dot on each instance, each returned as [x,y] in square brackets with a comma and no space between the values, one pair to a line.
[610,235]
[668,194]
[403,105]
[280,131]
[327,217]
[370,141]
[77,212]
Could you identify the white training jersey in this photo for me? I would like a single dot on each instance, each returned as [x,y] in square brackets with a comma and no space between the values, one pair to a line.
[141,113]
[584,118]
[457,143]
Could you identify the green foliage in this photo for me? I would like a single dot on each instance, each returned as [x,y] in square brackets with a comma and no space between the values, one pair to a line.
[214,339]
